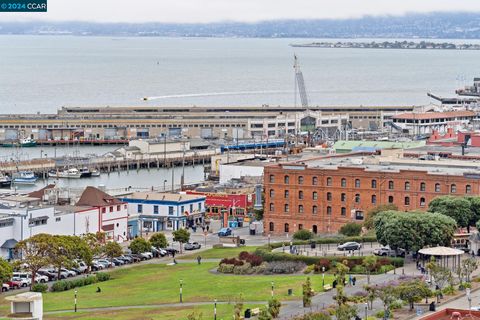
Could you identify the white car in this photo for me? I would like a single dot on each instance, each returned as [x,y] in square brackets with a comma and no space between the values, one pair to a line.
[5,287]
[25,282]
[70,273]
[26,275]
[147,255]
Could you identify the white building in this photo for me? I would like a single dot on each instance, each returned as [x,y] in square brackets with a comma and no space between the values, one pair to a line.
[243,168]
[426,123]
[153,211]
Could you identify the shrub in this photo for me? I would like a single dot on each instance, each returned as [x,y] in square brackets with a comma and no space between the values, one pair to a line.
[385,269]
[59,286]
[233,261]
[303,234]
[397,304]
[351,229]
[322,263]
[225,268]
[284,267]
[103,276]
[243,269]
[358,269]
[40,287]
[448,290]
[381,314]
[251,258]
[309,269]
[314,316]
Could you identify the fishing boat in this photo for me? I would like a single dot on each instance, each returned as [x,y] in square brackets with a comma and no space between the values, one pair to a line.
[95,173]
[85,173]
[72,173]
[5,181]
[27,142]
[24,177]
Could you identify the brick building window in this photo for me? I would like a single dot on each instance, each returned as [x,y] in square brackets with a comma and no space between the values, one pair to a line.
[286,227]
[357,183]
[329,181]
[468,188]
[271,226]
[422,186]
[329,210]
[453,188]
[407,201]
[390,185]
[286,207]
[374,199]
[272,178]
[314,181]
[374,184]
[357,198]
[300,209]
[390,199]
[343,197]
[286,179]
[314,195]
[422,202]
[329,196]
[286,194]
[343,211]
[272,193]
[314,229]
[437,187]
[272,207]
[300,195]
[314,209]
[300,226]
[344,183]
[300,180]
[407,186]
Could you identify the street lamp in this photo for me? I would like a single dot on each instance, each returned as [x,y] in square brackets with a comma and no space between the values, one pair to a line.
[272,289]
[366,310]
[181,287]
[215,309]
[467,290]
[269,239]
[164,185]
[323,276]
[75,300]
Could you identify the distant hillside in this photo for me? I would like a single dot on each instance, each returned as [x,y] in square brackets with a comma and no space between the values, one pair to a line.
[440,25]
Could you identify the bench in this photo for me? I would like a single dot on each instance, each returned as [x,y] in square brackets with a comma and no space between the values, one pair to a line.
[327,287]
[255,311]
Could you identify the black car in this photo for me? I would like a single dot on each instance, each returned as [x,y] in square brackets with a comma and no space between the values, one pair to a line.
[192,246]
[171,251]
[349,246]
[51,275]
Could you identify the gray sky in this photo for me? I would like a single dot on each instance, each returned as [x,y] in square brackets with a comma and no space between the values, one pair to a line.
[232,10]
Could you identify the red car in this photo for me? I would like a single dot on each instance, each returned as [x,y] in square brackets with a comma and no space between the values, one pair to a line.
[14,284]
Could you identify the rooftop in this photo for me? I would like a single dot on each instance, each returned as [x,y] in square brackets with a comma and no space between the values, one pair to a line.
[434,115]
[176,197]
[94,197]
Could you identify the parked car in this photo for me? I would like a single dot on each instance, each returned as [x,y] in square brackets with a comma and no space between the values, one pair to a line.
[26,275]
[171,251]
[96,266]
[192,246]
[135,258]
[224,232]
[52,276]
[158,252]
[70,273]
[349,246]
[146,255]
[5,287]
[25,282]
[386,251]
[106,263]
[80,267]
[14,284]
[118,262]
[63,275]
[126,259]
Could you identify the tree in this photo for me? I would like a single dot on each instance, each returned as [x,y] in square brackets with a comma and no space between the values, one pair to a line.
[440,275]
[345,312]
[274,307]
[307,293]
[475,208]
[371,214]
[303,234]
[90,246]
[387,293]
[413,291]
[36,252]
[459,209]
[258,213]
[238,308]
[62,252]
[351,229]
[112,250]
[6,270]
[159,240]
[369,262]
[342,270]
[139,245]
[468,266]
[182,236]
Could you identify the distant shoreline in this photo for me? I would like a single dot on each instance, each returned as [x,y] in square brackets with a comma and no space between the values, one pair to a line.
[422,45]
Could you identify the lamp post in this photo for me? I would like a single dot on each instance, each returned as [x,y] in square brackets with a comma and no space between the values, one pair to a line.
[75,300]
[181,293]
[323,276]
[366,310]
[272,289]
[215,309]
[467,290]
[164,185]
[269,239]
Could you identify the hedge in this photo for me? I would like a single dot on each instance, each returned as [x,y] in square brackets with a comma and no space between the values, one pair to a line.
[64,285]
[330,240]
[40,287]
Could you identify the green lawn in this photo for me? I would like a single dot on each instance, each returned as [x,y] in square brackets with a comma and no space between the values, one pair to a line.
[223,312]
[158,283]
[219,253]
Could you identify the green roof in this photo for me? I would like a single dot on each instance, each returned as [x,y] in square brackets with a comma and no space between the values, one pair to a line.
[343,145]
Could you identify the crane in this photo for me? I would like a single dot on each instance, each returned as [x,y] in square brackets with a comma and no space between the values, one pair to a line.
[300,83]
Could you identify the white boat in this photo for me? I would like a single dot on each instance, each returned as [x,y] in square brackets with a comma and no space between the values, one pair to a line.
[71,173]
[24,177]
[95,173]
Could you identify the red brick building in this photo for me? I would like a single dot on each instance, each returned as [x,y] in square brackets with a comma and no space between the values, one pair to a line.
[325,195]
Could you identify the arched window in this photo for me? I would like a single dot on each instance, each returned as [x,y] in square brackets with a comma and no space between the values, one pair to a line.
[329,196]
[422,202]
[374,199]
[300,195]
[343,211]
[271,207]
[453,188]
[344,183]
[286,227]
[271,226]
[407,201]
[390,185]
[390,199]
[374,184]
[329,210]
[300,208]
[300,180]
[286,194]
[329,181]
[407,186]
[422,186]
[357,198]
[343,197]
[468,188]
[314,195]
[286,207]
[314,229]
[314,209]
[272,178]
[286,179]
[272,193]
[314,181]
[357,183]
[437,187]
